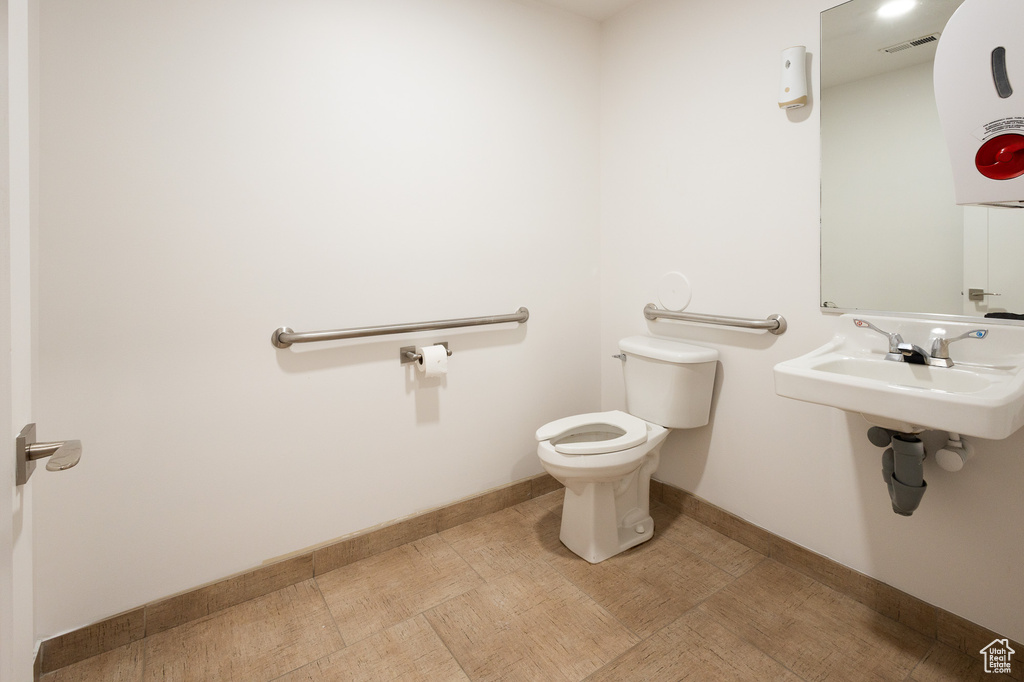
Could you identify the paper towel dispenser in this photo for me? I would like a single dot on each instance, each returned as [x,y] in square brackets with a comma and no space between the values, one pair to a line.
[979,91]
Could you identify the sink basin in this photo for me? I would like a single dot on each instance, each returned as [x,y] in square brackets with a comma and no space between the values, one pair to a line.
[956,379]
[982,395]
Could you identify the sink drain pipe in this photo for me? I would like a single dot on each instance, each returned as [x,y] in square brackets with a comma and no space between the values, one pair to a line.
[902,468]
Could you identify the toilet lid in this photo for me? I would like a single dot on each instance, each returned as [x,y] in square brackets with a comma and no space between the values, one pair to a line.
[633,432]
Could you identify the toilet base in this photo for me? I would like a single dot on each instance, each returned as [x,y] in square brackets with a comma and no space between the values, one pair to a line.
[588,547]
[603,518]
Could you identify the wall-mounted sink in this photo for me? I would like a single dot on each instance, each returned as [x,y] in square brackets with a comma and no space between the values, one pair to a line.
[981,395]
[957,379]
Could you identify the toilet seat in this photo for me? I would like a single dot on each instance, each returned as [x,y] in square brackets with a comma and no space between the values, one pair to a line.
[634,432]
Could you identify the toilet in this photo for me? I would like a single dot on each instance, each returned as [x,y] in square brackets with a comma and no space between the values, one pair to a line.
[605,459]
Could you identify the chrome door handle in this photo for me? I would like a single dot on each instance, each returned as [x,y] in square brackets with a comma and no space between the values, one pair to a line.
[63,454]
[979,294]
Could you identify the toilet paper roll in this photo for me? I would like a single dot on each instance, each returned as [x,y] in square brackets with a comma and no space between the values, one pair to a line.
[433,360]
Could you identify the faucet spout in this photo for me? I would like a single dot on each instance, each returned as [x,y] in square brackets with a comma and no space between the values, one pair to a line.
[914,354]
[900,351]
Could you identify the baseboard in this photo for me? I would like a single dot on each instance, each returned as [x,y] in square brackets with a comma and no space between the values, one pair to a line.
[178,609]
[932,621]
[92,640]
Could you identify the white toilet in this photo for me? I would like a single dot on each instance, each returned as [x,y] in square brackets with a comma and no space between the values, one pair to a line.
[605,459]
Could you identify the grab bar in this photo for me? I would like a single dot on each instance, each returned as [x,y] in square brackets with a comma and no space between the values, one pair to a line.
[284,337]
[774,324]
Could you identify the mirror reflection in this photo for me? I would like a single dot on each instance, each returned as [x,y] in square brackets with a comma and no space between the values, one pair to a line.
[892,237]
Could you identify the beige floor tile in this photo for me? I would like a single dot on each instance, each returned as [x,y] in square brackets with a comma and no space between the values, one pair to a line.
[123,664]
[696,647]
[383,590]
[547,508]
[945,664]
[530,625]
[710,545]
[813,630]
[258,640]
[408,651]
[552,501]
[500,598]
[646,587]
[500,543]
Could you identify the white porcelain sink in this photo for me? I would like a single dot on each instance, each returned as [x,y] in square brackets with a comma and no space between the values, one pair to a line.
[982,395]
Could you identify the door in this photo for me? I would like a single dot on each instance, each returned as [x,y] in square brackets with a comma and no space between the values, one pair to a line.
[17,632]
[1005,246]
[993,242]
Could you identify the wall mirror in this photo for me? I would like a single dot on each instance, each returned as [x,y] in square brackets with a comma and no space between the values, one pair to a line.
[892,238]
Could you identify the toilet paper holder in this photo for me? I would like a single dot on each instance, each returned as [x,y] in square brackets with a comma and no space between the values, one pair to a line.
[408,354]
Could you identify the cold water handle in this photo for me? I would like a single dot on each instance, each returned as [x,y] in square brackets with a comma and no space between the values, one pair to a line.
[940,344]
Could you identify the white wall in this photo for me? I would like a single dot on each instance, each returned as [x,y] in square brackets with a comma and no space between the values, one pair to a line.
[892,238]
[215,169]
[702,173]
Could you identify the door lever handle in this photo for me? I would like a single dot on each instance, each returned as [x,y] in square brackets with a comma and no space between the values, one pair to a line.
[979,294]
[63,454]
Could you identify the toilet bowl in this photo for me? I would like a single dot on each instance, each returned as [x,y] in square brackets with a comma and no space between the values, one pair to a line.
[606,470]
[605,459]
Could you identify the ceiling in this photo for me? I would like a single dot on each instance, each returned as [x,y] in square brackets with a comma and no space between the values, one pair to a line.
[852,35]
[595,9]
[853,38]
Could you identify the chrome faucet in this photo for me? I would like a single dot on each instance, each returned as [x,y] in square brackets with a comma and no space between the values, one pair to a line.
[914,354]
[894,354]
[940,345]
[900,351]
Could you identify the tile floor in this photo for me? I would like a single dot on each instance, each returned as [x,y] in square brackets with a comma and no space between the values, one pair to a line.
[499,598]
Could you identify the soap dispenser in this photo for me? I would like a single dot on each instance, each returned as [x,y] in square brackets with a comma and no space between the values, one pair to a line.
[979,91]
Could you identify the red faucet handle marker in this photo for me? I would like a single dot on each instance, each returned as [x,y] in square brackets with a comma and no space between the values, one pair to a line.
[1002,157]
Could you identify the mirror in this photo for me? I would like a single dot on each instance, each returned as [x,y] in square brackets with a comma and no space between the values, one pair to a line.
[892,237]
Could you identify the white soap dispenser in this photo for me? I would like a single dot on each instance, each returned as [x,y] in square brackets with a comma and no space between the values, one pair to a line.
[979,91]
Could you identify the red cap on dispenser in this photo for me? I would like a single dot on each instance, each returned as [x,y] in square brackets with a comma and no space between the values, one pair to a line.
[1002,157]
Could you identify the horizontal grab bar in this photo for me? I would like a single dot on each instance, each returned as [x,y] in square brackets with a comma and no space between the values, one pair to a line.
[284,337]
[774,324]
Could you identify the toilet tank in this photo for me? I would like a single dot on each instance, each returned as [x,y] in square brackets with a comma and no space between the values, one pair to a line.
[668,382]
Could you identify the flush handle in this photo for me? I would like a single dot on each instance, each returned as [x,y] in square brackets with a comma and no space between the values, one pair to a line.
[63,454]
